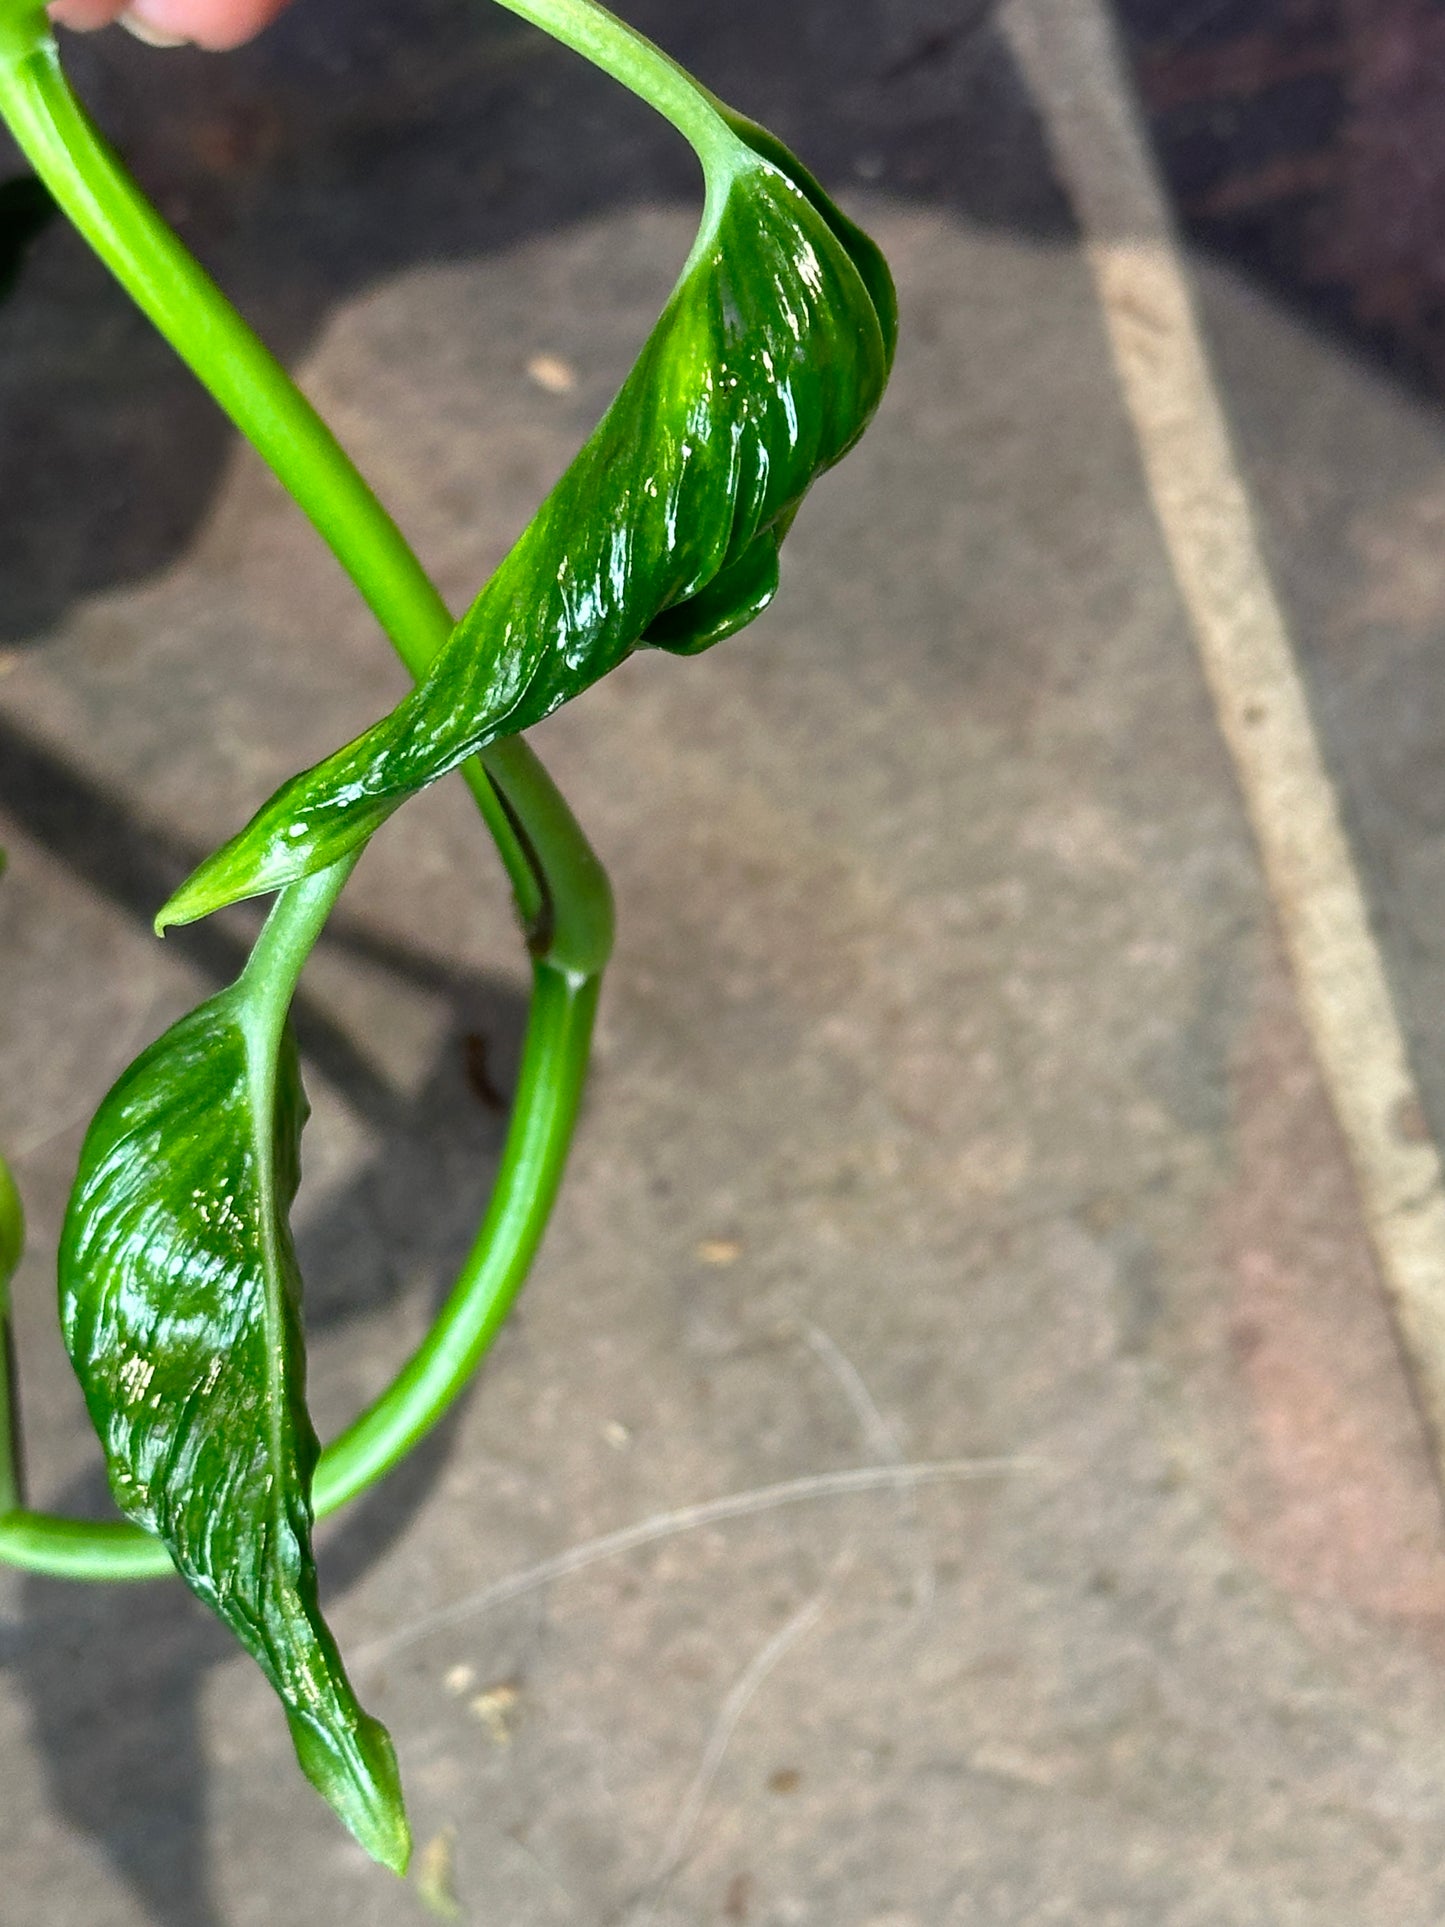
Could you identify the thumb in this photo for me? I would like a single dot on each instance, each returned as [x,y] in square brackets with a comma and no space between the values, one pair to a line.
[207,23]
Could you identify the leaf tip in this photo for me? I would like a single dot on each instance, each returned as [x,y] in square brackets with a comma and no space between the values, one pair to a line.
[354,1770]
[175,910]
[202,893]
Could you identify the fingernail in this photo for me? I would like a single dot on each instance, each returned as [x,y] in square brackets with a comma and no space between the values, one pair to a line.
[134,21]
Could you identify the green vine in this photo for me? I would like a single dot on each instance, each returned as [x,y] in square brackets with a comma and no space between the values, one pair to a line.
[179,1291]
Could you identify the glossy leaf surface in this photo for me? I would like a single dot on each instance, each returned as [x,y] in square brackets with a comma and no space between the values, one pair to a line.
[180,1307]
[765,368]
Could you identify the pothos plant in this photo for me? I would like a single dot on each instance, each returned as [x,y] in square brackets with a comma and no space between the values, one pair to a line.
[180,1297]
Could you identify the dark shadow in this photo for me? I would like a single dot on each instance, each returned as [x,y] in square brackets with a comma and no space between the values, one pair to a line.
[112,1676]
[1304,143]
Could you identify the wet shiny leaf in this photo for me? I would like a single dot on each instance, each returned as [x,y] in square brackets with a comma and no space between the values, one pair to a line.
[180,1303]
[765,368]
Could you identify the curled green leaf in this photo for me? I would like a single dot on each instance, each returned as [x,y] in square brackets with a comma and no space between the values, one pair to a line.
[180,1305]
[765,368]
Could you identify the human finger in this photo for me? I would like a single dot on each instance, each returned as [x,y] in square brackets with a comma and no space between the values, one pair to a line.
[207,23]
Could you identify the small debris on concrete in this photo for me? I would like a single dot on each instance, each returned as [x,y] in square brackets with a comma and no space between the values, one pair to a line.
[719,1251]
[552,374]
[436,1876]
[496,1709]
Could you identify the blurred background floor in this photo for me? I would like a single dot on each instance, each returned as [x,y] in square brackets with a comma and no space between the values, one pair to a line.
[953,1107]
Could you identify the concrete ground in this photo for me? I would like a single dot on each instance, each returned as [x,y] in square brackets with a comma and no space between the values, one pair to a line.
[956,1106]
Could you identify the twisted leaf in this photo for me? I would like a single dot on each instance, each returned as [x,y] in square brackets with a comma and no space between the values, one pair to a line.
[765,368]
[180,1304]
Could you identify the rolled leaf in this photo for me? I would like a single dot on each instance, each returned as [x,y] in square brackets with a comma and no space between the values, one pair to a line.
[180,1303]
[765,368]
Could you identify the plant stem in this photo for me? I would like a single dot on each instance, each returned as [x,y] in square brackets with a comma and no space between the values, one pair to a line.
[562,890]
[554,1067]
[168,285]
[276,418]
[278,956]
[619,50]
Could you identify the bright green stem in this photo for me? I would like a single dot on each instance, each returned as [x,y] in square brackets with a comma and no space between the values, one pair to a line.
[562,891]
[554,1067]
[645,70]
[279,954]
